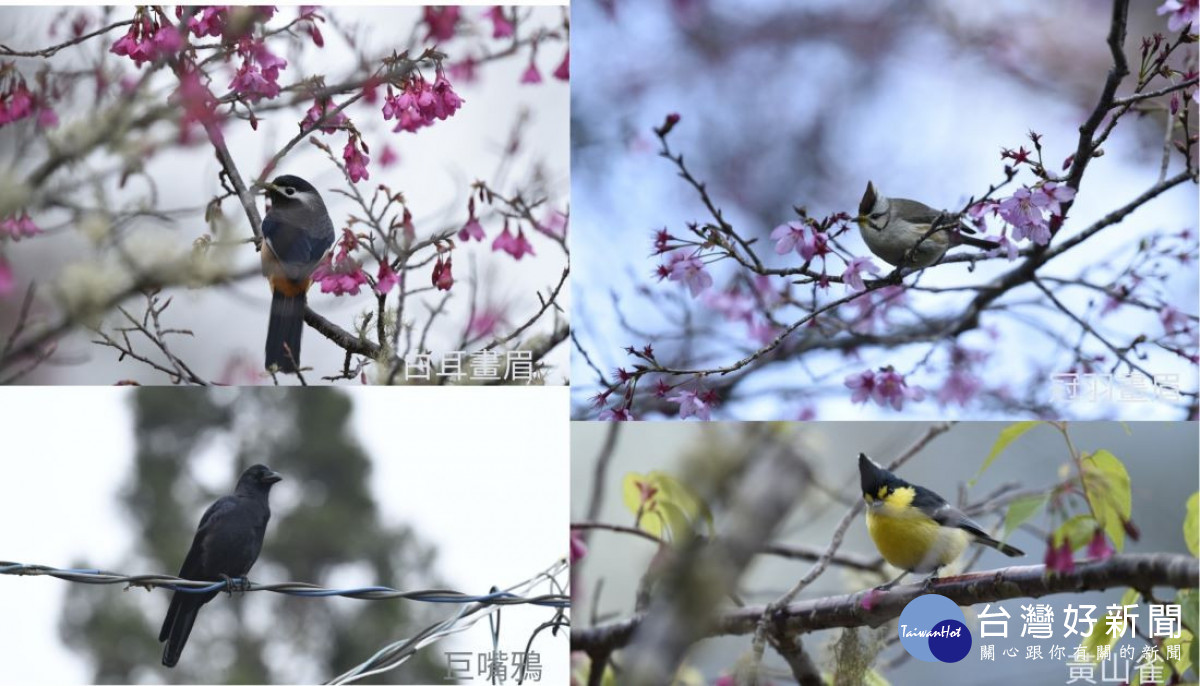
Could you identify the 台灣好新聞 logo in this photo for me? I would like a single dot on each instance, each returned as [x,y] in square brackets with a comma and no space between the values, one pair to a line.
[933,629]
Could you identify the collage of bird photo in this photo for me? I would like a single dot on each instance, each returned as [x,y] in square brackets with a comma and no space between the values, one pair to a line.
[600,343]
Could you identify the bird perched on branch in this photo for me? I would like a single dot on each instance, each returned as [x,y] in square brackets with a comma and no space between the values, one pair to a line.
[914,528]
[906,233]
[226,545]
[297,232]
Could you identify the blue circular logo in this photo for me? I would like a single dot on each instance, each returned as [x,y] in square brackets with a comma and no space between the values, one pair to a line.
[933,629]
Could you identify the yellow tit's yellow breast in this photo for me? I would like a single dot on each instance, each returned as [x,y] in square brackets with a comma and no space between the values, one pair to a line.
[907,537]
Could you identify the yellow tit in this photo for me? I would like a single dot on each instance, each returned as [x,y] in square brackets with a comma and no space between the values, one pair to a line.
[896,228]
[914,528]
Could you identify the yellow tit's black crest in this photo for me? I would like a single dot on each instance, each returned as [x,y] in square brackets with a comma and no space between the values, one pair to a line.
[868,200]
[877,482]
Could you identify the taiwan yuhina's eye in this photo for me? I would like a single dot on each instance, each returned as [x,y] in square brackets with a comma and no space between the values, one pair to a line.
[290,191]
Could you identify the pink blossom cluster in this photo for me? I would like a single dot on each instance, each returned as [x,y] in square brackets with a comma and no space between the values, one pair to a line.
[517,246]
[355,156]
[258,77]
[502,27]
[805,240]
[443,274]
[320,108]
[697,403]
[749,308]
[18,227]
[341,274]
[198,103]
[441,22]
[852,276]
[17,102]
[1061,558]
[148,40]
[213,20]
[885,387]
[1183,14]
[420,103]
[386,280]
[472,229]
[688,270]
[1026,210]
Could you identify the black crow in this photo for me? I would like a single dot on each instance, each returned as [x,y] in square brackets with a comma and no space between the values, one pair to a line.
[226,545]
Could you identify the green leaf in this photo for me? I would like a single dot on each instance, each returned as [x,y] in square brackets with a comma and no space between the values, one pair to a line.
[1189,612]
[1007,436]
[1100,635]
[1021,510]
[1109,493]
[1077,529]
[1191,524]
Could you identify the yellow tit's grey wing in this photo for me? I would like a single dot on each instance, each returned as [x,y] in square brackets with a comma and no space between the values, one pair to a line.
[916,212]
[946,514]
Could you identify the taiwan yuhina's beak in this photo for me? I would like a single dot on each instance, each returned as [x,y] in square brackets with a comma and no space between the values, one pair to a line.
[265,187]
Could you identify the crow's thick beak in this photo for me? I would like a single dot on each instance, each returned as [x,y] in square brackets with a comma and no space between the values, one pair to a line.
[272,477]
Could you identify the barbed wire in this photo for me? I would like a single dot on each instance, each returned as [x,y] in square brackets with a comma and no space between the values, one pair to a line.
[396,653]
[292,588]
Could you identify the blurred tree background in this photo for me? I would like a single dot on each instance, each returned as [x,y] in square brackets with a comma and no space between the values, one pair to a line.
[325,529]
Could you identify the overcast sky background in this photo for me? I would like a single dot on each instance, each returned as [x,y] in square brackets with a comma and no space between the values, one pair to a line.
[477,482]
[435,169]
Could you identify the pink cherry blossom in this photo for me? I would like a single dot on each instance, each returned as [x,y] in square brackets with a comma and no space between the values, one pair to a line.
[485,321]
[386,279]
[1024,211]
[320,108]
[199,106]
[578,546]
[553,224]
[887,387]
[531,74]
[209,21]
[1184,14]
[1099,548]
[697,403]
[616,414]
[1059,558]
[501,26]
[862,386]
[388,157]
[518,246]
[343,276]
[443,276]
[892,389]
[16,228]
[441,22]
[563,71]
[356,160]
[690,271]
[796,236]
[852,277]
[472,230]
